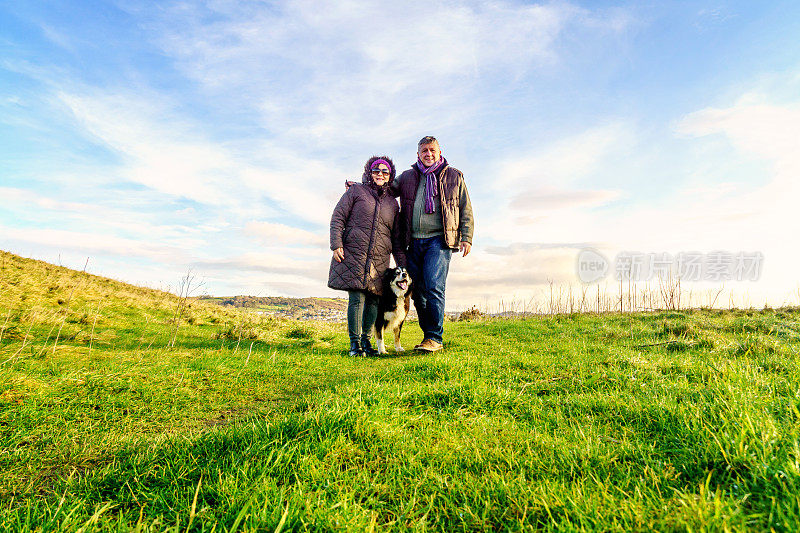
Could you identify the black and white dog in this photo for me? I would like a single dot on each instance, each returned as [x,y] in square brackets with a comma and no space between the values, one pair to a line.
[393,306]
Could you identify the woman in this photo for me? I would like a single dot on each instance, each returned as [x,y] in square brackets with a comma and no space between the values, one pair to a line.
[364,230]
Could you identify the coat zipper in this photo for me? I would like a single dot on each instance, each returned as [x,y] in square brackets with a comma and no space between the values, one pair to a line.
[441,189]
[371,240]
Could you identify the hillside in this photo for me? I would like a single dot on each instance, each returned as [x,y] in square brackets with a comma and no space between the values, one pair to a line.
[37,296]
[301,308]
[117,415]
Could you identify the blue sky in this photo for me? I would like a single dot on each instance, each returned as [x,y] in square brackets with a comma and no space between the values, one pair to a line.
[154,137]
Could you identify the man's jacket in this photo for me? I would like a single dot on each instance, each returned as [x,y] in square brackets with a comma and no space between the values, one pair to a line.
[454,199]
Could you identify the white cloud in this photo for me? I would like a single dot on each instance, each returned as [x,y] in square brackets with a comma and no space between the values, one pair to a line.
[161,154]
[165,154]
[749,215]
[350,72]
[106,220]
[16,197]
[284,265]
[93,243]
[755,126]
[518,273]
[548,199]
[759,217]
[565,160]
[275,234]
[540,192]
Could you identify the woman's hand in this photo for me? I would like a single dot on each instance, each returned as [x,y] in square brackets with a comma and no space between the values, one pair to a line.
[338,255]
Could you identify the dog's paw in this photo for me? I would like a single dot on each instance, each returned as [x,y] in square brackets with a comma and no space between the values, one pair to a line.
[399,349]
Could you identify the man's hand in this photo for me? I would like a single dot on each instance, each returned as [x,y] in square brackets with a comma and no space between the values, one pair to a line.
[464,247]
[338,255]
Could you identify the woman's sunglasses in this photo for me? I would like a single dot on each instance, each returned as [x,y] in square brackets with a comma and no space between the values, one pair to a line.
[379,171]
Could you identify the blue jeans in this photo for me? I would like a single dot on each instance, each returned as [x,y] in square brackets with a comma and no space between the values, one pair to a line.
[428,264]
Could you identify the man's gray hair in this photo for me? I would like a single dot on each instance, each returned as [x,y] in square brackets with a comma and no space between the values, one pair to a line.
[428,139]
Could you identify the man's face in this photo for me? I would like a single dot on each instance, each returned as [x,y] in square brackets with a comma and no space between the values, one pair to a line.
[429,154]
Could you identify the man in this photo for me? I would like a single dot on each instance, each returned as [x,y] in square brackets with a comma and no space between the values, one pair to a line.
[435,219]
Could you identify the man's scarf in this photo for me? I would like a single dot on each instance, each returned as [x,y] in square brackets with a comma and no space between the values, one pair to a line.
[431,188]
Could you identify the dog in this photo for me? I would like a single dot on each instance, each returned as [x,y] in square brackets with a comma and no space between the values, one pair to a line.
[393,306]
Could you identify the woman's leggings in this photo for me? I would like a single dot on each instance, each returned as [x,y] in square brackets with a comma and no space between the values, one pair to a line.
[362,310]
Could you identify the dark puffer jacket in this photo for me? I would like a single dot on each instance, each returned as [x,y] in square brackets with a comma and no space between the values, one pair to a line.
[366,224]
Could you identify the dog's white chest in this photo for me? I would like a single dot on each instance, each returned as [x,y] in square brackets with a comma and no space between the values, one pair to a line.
[395,317]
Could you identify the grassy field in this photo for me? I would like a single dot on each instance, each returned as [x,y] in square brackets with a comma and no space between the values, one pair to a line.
[124,408]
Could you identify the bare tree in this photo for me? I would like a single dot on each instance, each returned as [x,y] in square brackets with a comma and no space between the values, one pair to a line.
[187,286]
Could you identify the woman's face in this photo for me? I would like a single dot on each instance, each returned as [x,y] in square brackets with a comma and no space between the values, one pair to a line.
[380,174]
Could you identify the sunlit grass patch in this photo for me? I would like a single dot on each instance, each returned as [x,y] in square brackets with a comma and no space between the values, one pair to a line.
[678,420]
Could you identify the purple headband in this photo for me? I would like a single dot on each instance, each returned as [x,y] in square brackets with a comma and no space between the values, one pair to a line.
[378,162]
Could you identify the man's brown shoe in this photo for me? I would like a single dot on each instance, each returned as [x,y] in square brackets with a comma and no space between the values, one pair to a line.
[429,345]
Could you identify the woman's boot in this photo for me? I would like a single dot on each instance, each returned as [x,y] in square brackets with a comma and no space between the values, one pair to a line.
[355,349]
[369,351]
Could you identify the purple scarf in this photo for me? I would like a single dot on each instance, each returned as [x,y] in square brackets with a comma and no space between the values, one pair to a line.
[431,188]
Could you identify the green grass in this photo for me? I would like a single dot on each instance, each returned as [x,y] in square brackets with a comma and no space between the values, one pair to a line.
[670,421]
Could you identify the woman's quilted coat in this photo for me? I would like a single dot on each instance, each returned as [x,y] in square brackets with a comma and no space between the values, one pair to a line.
[365,223]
